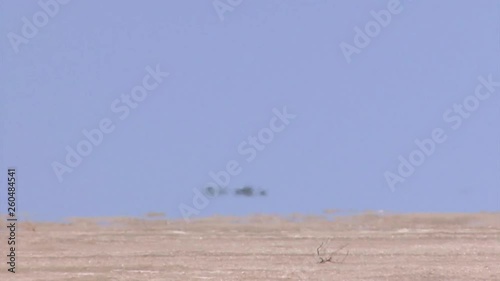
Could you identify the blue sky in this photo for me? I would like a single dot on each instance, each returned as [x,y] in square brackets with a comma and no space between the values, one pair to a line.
[228,73]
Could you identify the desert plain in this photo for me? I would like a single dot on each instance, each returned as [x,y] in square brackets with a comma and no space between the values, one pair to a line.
[369,246]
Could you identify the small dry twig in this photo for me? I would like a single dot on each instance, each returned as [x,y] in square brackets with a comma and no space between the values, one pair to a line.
[329,258]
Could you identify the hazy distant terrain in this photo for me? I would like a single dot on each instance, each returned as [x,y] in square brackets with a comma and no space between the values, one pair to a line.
[381,247]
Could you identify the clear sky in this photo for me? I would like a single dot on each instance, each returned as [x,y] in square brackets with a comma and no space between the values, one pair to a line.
[70,67]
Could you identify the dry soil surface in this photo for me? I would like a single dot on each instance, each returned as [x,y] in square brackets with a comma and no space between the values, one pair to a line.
[380,247]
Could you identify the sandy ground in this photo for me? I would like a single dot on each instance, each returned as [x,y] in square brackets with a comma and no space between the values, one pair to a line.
[381,247]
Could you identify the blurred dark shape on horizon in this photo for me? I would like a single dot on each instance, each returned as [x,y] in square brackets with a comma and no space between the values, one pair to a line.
[247,191]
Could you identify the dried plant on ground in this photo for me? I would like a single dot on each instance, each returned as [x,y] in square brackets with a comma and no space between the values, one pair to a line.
[325,258]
